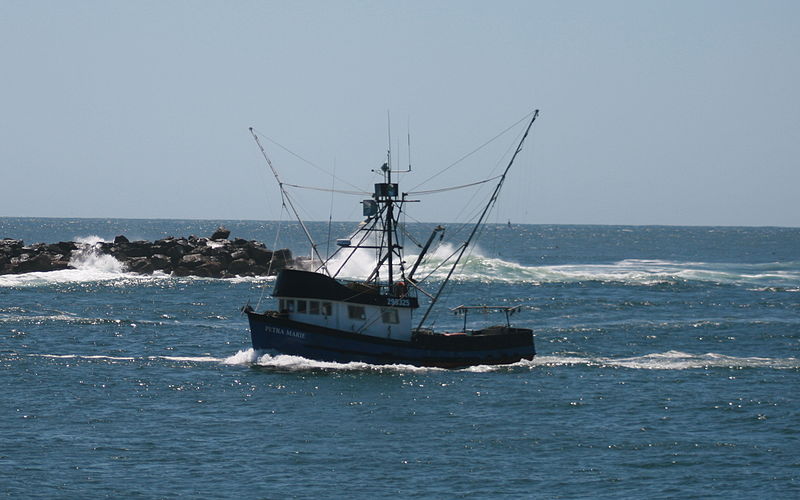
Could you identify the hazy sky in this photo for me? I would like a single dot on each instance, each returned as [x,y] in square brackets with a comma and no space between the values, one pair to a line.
[668,112]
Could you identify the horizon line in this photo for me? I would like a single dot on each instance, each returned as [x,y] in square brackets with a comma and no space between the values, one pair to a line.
[415,222]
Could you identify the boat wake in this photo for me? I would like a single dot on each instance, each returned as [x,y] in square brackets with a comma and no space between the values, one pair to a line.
[288,363]
[671,360]
[99,357]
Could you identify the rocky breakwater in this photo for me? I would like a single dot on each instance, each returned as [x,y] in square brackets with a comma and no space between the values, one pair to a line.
[214,257]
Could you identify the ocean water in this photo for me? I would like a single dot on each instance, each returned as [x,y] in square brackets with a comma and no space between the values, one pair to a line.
[668,366]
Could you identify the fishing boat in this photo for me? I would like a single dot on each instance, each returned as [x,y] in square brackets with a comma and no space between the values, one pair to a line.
[378,319]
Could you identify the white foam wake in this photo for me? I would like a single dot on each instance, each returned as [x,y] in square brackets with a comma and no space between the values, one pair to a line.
[188,359]
[285,362]
[670,360]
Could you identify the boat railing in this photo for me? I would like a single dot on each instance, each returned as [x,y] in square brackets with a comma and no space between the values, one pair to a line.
[485,309]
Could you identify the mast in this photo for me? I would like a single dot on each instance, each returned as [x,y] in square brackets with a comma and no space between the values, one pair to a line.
[384,223]
[489,205]
[385,193]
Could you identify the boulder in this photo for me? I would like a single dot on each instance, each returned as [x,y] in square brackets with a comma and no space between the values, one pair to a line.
[222,255]
[239,254]
[204,250]
[181,271]
[211,269]
[175,251]
[259,270]
[141,265]
[64,247]
[135,249]
[240,266]
[260,255]
[120,239]
[281,258]
[61,264]
[192,261]
[35,264]
[221,233]
[160,262]
[10,242]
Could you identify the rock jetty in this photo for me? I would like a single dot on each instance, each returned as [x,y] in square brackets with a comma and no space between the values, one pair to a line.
[214,257]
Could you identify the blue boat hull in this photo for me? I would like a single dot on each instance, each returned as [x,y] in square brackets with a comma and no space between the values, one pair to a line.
[271,331]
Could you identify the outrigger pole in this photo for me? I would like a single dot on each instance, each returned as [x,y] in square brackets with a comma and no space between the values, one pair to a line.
[285,198]
[489,205]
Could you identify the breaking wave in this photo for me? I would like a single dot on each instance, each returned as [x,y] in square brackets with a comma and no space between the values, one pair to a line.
[477,267]
[89,264]
[89,258]
[92,265]
[775,276]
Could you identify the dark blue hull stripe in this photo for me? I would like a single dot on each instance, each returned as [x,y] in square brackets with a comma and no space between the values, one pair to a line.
[325,344]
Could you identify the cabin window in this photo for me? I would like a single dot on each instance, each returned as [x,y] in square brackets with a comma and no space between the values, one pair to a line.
[313,307]
[290,305]
[390,316]
[326,308]
[301,306]
[356,312]
[281,305]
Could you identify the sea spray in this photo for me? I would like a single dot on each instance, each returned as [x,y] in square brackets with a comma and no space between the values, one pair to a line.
[88,257]
[479,267]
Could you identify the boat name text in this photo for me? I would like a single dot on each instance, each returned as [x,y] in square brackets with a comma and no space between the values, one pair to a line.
[285,331]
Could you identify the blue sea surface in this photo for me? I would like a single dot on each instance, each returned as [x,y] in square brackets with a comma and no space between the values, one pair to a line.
[668,366]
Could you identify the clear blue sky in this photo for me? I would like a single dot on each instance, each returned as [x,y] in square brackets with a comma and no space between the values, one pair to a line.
[667,112]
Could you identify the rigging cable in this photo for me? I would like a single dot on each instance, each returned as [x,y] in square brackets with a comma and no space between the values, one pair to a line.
[272,257]
[330,214]
[309,162]
[328,190]
[491,203]
[453,188]
[285,197]
[445,169]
